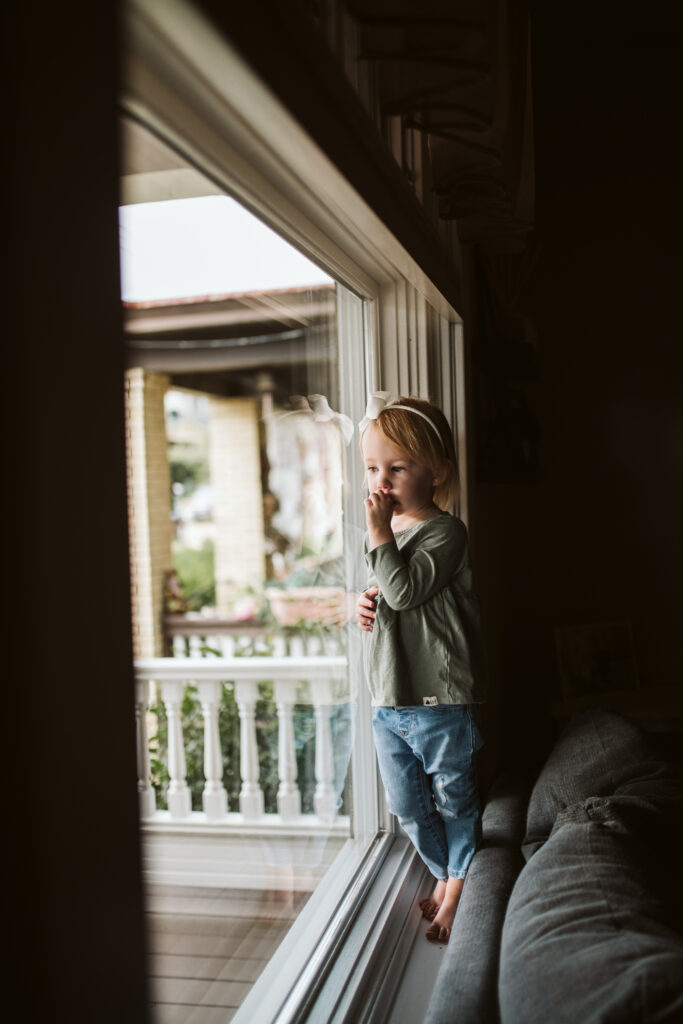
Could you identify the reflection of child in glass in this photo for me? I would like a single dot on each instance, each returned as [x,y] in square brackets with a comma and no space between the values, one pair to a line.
[423,650]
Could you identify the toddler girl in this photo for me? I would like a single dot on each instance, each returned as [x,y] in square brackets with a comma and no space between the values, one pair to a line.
[423,651]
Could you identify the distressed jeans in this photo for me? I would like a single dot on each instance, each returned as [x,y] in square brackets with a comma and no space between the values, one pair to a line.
[426,759]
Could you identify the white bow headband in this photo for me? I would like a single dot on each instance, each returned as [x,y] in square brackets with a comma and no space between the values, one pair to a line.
[322,412]
[379,400]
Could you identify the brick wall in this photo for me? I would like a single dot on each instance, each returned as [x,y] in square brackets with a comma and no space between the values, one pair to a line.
[149,505]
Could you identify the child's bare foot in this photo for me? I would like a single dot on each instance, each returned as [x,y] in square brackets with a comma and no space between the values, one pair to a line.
[430,905]
[440,928]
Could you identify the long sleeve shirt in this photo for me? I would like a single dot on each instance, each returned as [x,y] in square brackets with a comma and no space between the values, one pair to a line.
[426,646]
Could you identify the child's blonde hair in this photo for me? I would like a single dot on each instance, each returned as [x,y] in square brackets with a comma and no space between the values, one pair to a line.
[413,435]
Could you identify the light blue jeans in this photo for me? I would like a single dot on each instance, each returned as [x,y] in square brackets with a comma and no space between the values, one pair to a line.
[426,759]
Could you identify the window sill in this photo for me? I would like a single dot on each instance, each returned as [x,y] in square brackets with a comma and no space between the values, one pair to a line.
[341,960]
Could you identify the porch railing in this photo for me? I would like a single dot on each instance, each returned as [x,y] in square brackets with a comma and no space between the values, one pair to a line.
[187,636]
[317,680]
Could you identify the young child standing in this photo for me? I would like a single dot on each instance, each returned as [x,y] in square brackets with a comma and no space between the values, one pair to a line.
[423,652]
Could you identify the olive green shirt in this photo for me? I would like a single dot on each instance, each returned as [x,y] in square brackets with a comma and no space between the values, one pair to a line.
[426,646]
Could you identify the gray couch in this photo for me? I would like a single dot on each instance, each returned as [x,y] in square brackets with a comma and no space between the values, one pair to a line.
[573,907]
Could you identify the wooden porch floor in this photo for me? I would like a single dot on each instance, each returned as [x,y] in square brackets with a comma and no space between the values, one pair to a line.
[208,947]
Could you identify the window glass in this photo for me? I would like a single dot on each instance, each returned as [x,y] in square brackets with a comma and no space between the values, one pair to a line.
[237,453]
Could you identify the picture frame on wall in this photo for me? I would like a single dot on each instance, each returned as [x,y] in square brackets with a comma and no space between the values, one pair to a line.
[596,658]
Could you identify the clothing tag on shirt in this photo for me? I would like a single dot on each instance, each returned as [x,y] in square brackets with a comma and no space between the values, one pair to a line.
[430,701]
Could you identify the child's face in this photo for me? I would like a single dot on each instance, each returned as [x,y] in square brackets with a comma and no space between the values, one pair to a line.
[389,469]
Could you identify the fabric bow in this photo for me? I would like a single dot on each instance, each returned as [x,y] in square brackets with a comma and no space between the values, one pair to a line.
[376,402]
[322,412]
[379,400]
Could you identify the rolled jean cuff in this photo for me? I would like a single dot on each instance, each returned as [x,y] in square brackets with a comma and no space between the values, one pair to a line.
[457,874]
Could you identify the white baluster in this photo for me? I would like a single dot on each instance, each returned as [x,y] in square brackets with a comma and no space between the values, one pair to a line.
[279,646]
[296,646]
[314,645]
[325,799]
[195,644]
[146,795]
[228,646]
[251,794]
[179,799]
[334,643]
[214,797]
[261,645]
[179,648]
[288,796]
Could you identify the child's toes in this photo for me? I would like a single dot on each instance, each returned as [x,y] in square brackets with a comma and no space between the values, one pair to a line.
[438,933]
[429,908]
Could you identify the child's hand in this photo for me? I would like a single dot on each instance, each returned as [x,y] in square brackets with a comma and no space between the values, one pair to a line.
[379,509]
[365,609]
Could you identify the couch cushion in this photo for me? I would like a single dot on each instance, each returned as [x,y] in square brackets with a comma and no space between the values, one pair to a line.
[597,752]
[465,987]
[586,937]
[504,817]
[465,991]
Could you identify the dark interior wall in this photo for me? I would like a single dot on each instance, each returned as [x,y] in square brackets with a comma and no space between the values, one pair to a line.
[75,926]
[598,537]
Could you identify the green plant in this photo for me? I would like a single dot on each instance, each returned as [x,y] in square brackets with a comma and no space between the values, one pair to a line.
[188,466]
[195,569]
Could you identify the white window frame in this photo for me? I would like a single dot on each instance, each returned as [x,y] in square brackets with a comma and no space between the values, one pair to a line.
[186,83]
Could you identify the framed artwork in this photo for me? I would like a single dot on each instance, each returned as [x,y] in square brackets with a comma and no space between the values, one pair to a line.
[597,658]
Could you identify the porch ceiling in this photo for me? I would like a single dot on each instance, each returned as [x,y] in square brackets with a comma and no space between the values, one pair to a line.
[215,343]
[221,344]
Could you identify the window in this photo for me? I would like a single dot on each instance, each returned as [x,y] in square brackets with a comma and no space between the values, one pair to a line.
[207,129]
[237,442]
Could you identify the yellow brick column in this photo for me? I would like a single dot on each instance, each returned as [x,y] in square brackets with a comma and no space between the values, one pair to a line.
[149,506]
[235,460]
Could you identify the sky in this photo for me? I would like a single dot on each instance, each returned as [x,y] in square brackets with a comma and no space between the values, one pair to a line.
[209,245]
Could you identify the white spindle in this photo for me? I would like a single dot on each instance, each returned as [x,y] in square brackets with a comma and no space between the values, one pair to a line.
[228,646]
[314,645]
[179,648]
[251,794]
[335,644]
[179,799]
[279,646]
[195,644]
[325,799]
[214,797]
[297,647]
[288,796]
[146,796]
